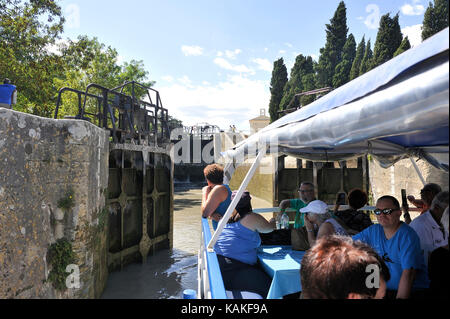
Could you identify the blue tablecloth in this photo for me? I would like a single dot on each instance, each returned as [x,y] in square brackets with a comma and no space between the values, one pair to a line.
[283,265]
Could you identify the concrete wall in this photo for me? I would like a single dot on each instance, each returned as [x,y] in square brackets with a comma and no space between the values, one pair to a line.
[40,160]
[390,181]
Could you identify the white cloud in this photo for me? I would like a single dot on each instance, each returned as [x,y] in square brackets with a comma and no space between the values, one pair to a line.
[224,64]
[186,81]
[72,13]
[288,44]
[191,50]
[266,49]
[167,78]
[282,51]
[414,34]
[231,102]
[263,64]
[412,10]
[232,54]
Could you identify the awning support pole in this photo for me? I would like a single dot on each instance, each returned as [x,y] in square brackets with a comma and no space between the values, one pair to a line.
[236,199]
[417,171]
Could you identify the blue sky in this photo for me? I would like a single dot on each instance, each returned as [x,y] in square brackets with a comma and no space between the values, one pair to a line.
[212,59]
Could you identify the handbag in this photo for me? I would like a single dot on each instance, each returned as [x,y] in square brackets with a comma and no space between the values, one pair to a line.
[277,237]
[299,239]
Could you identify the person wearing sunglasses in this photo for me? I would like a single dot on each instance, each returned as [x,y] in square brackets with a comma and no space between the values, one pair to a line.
[399,246]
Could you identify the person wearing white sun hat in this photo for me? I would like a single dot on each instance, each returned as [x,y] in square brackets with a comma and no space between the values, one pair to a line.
[317,214]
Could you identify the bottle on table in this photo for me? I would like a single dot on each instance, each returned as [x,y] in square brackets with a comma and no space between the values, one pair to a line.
[284,222]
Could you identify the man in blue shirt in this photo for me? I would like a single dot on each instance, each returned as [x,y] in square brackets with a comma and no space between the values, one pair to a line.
[399,246]
[7,94]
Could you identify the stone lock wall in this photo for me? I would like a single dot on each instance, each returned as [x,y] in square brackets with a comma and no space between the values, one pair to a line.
[41,161]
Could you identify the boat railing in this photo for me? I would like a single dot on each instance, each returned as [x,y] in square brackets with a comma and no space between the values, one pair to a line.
[210,282]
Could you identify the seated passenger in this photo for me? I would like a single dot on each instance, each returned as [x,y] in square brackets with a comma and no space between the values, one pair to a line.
[438,266]
[236,249]
[336,268]
[216,197]
[306,194]
[399,246]
[429,228]
[427,193]
[352,218]
[317,215]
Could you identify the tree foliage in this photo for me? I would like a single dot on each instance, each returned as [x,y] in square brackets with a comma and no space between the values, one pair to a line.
[405,45]
[331,54]
[389,38]
[435,18]
[302,67]
[277,83]
[356,65]
[342,71]
[32,60]
[366,63]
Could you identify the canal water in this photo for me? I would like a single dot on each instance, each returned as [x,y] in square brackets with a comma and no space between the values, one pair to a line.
[168,273]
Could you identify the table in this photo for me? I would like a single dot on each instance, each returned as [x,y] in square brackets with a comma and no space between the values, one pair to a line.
[283,265]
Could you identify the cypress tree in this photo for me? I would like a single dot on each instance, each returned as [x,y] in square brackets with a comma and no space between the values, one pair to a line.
[366,63]
[435,18]
[405,45]
[389,38]
[342,71]
[331,54]
[303,66]
[279,80]
[356,65]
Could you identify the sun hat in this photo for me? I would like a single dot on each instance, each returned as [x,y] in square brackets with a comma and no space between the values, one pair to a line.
[315,207]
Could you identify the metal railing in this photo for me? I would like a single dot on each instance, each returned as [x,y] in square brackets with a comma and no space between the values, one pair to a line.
[128,118]
[210,281]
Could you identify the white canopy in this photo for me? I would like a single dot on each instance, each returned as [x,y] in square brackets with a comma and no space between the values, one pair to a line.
[399,109]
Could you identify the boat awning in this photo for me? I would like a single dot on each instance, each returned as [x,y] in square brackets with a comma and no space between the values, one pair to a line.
[397,110]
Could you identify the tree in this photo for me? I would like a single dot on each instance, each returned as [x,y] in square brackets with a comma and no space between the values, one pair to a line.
[435,18]
[342,71]
[356,65]
[302,66]
[279,80]
[389,38]
[366,63]
[27,30]
[89,61]
[331,54]
[405,45]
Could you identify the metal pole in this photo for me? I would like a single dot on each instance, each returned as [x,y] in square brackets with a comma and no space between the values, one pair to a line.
[236,199]
[417,170]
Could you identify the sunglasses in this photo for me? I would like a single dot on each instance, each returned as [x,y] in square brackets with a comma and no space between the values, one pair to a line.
[386,211]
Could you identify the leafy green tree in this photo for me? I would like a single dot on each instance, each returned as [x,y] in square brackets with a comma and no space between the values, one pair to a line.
[89,61]
[309,84]
[277,83]
[27,31]
[356,65]
[302,66]
[366,63]
[389,38]
[435,18]
[331,54]
[342,71]
[405,45]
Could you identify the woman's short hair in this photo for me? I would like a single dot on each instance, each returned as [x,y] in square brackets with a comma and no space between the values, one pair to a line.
[357,198]
[337,266]
[214,174]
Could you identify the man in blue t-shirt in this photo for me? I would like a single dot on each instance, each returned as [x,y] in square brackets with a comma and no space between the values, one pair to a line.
[7,94]
[399,246]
